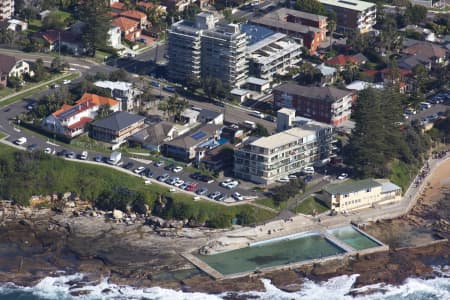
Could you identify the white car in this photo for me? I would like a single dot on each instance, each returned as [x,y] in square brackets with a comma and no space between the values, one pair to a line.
[308,170]
[237,196]
[226,182]
[177,169]
[283,180]
[67,81]
[179,182]
[48,150]
[84,155]
[343,176]
[139,170]
[232,184]
[20,141]
[257,114]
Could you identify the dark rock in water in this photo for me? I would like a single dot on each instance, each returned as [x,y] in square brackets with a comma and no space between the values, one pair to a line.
[106,291]
[80,293]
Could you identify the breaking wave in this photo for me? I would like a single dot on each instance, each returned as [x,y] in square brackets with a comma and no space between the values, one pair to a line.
[74,287]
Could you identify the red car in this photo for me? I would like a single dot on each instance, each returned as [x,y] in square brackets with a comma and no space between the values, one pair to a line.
[192,187]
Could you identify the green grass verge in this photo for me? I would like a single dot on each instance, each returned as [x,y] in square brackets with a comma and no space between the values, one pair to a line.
[402,174]
[309,206]
[37,89]
[270,203]
[24,174]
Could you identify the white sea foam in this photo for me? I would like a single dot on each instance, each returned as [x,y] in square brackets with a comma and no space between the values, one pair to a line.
[337,288]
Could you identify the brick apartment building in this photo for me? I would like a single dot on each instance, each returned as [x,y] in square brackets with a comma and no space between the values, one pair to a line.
[323,104]
[309,28]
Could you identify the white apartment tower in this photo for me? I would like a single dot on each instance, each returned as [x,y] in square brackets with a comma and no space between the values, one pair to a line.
[6,9]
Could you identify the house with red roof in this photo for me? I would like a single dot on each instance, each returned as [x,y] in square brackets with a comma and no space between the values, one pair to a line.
[118,7]
[136,15]
[130,28]
[436,54]
[402,77]
[340,61]
[68,40]
[71,120]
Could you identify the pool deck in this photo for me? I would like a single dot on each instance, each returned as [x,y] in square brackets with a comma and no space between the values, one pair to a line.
[324,233]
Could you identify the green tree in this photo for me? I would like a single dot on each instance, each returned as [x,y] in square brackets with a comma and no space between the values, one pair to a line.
[54,20]
[40,73]
[260,130]
[104,111]
[311,6]
[415,14]
[95,13]
[58,65]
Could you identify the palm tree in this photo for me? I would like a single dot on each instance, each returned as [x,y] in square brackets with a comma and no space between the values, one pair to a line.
[331,28]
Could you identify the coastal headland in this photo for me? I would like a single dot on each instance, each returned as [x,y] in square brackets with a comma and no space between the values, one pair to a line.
[36,243]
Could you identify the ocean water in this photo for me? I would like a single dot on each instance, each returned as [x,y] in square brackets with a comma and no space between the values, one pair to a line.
[336,288]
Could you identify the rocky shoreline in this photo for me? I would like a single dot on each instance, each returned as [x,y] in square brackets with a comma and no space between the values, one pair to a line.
[144,251]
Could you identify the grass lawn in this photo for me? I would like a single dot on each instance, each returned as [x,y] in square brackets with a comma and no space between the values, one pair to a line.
[270,203]
[402,174]
[34,25]
[31,92]
[309,205]
[40,174]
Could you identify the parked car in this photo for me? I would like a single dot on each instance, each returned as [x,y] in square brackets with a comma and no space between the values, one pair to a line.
[191,187]
[172,180]
[177,169]
[257,114]
[169,167]
[155,83]
[163,177]
[342,176]
[179,183]
[84,155]
[48,150]
[67,81]
[139,170]
[214,195]
[159,163]
[128,166]
[292,176]
[207,179]
[308,170]
[70,155]
[184,186]
[20,141]
[170,89]
[232,184]
[32,147]
[61,152]
[202,191]
[283,179]
[221,197]
[196,175]
[148,173]
[226,182]
[237,196]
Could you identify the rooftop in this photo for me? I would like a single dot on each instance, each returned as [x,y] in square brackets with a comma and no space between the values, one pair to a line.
[272,21]
[349,4]
[257,81]
[289,136]
[114,85]
[133,14]
[86,101]
[313,92]
[6,63]
[300,14]
[124,23]
[351,186]
[425,49]
[195,137]
[118,121]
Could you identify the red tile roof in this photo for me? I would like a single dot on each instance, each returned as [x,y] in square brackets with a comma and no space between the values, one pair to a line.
[113,14]
[133,14]
[118,5]
[81,123]
[427,50]
[52,35]
[86,101]
[146,5]
[125,24]
[341,60]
